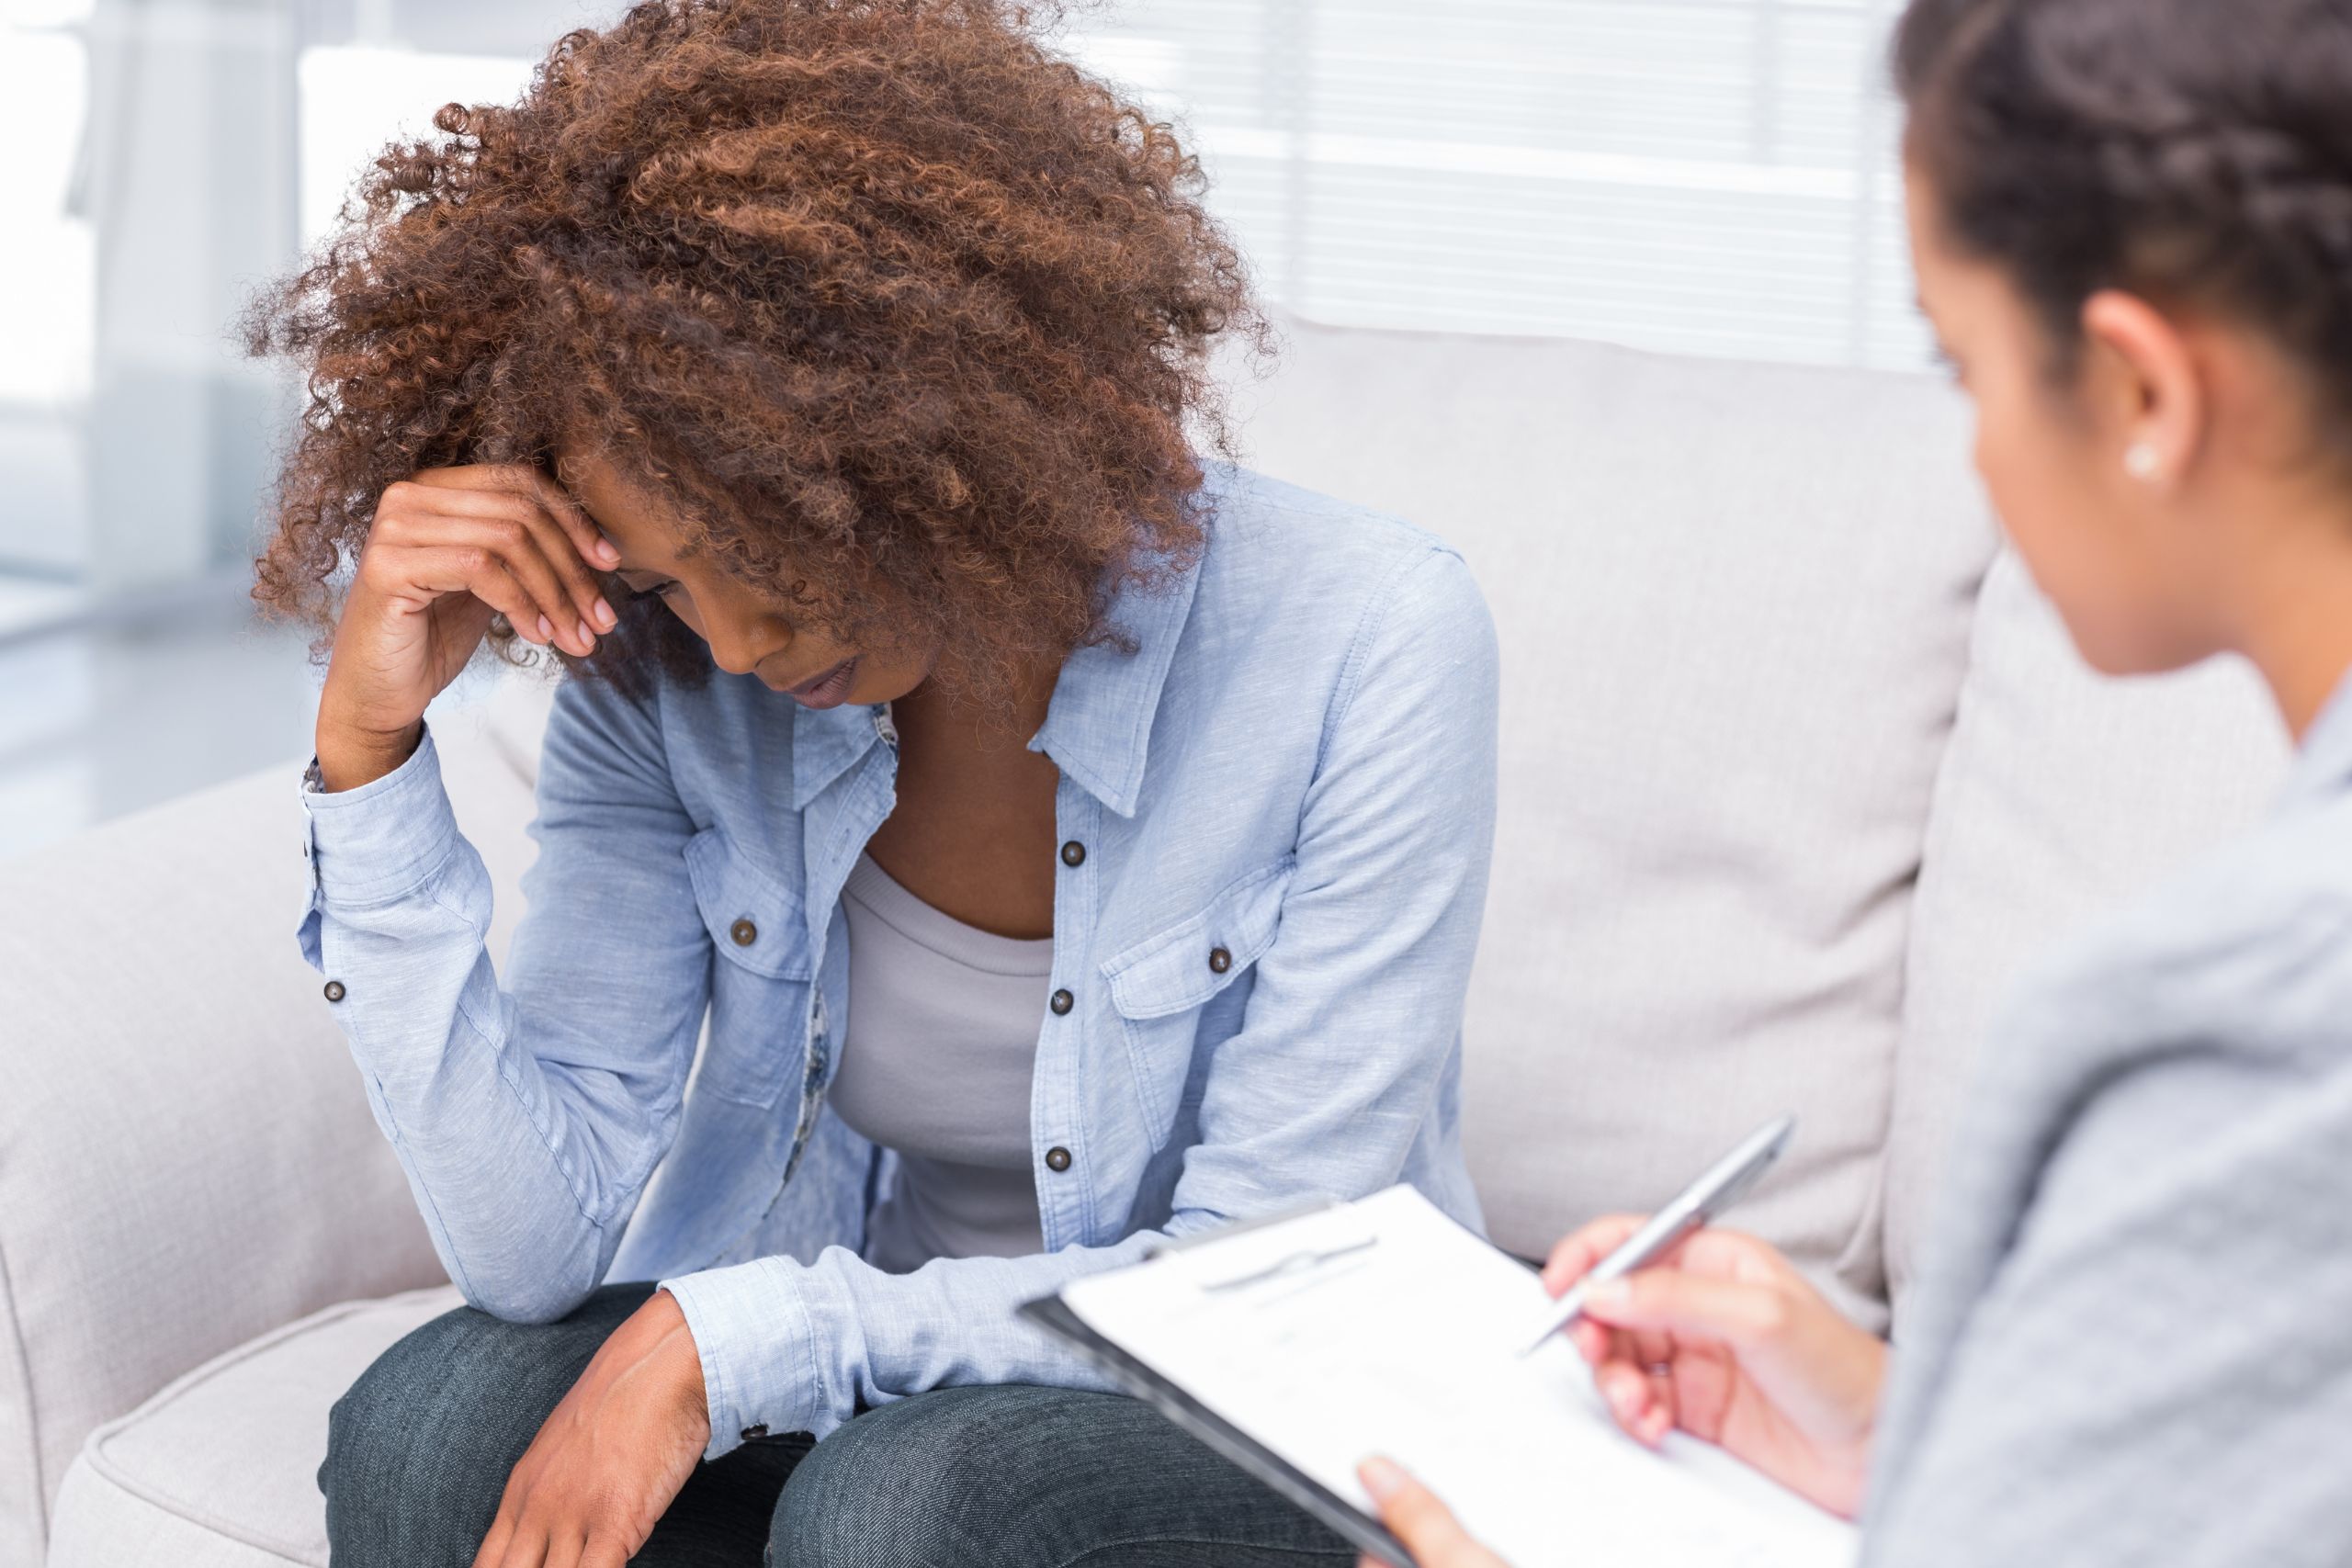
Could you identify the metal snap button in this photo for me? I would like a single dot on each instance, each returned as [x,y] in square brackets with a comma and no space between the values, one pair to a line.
[1061,1003]
[1057,1159]
[744,932]
[1219,960]
[1073,853]
[335,990]
[758,1431]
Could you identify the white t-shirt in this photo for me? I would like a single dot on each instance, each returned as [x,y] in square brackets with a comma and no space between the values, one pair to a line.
[936,1066]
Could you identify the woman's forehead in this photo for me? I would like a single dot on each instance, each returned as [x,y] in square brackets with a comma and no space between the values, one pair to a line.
[641,523]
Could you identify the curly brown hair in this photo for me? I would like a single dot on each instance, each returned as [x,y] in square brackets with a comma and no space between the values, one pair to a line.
[907,317]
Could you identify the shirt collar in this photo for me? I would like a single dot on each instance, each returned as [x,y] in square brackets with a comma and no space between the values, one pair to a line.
[1097,727]
[826,742]
[2324,762]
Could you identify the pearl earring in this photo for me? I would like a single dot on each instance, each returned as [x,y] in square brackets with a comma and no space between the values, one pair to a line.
[2141,462]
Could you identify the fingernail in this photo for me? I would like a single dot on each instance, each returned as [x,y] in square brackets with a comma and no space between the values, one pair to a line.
[1380,1477]
[605,616]
[605,552]
[547,631]
[588,636]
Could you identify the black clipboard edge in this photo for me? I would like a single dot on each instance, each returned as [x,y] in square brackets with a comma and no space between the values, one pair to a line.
[1053,1314]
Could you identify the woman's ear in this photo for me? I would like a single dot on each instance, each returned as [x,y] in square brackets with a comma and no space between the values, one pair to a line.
[2145,385]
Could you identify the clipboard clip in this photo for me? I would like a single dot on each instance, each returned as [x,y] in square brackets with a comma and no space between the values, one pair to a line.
[1299,1262]
[1243,1227]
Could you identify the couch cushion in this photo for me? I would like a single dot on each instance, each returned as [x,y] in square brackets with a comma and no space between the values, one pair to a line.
[2063,793]
[187,1156]
[1733,603]
[221,1467]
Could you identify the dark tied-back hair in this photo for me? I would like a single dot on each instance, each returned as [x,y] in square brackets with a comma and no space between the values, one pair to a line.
[906,316]
[2192,151]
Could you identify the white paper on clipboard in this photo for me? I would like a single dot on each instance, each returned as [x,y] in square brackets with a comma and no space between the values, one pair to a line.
[1382,1326]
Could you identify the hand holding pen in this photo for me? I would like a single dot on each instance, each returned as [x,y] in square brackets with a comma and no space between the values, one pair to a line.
[1705,1330]
[1689,1326]
[1717,1188]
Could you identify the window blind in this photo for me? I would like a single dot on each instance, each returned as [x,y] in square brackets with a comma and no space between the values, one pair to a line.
[1716,177]
[1710,176]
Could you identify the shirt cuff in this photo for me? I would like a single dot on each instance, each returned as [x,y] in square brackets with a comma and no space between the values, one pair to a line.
[383,840]
[753,1331]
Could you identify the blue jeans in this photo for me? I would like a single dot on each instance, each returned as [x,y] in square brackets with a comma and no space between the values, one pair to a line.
[418,1450]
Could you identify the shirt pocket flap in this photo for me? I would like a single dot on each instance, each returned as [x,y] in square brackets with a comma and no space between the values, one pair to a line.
[755,919]
[1179,968]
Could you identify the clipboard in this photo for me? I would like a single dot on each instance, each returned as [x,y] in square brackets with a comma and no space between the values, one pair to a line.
[1361,1530]
[1295,1346]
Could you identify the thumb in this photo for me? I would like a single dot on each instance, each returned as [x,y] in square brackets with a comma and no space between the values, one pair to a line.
[1688,1305]
[1425,1525]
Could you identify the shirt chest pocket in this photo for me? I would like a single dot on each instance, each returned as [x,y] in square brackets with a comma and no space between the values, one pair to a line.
[1165,987]
[759,983]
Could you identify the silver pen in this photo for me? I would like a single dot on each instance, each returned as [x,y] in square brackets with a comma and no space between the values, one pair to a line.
[1696,1205]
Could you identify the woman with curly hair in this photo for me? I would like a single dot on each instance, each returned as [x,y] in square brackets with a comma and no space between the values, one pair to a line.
[1071,843]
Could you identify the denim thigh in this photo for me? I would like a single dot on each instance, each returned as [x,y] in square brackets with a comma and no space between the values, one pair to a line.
[1022,1477]
[418,1450]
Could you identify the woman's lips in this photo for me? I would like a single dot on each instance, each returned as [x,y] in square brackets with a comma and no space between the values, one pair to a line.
[826,690]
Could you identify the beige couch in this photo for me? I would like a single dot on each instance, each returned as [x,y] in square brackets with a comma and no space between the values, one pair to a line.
[1797,773]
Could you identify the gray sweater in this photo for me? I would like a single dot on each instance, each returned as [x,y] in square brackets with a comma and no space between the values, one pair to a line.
[2132,1342]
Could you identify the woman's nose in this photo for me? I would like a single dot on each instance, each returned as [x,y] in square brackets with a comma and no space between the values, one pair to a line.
[738,644]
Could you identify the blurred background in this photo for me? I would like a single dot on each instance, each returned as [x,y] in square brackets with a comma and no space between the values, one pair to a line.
[1700,177]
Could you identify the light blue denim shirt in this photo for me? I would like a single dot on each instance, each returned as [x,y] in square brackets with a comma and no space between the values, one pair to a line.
[1285,794]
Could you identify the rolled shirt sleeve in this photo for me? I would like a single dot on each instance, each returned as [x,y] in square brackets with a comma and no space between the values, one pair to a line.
[387,839]
[529,1114]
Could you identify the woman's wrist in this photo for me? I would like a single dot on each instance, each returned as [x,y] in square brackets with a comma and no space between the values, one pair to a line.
[350,756]
[682,1357]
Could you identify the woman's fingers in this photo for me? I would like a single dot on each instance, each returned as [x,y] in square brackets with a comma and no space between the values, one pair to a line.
[575,521]
[1577,1251]
[526,1546]
[565,1551]
[604,1550]
[1654,1352]
[522,502]
[447,569]
[395,564]
[455,556]
[1426,1526]
[1650,1348]
[516,529]
[532,1545]
[1686,1305]
[1631,1396]
[501,1534]
[560,542]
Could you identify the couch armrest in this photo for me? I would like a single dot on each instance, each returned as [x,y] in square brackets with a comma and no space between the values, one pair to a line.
[186,1156]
